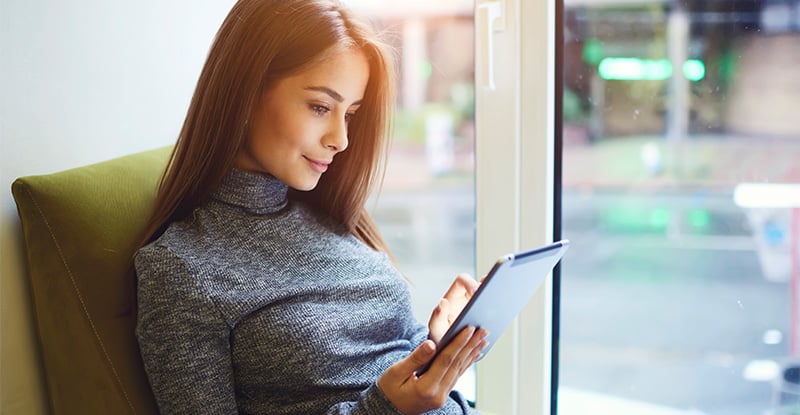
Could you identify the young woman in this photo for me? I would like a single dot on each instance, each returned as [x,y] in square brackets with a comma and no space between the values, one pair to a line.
[263,285]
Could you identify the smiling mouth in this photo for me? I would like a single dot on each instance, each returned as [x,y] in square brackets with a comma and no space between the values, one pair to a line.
[318,166]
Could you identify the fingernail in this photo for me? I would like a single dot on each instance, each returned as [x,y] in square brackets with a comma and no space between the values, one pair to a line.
[427,347]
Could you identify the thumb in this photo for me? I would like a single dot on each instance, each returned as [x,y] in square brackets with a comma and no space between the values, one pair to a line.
[419,357]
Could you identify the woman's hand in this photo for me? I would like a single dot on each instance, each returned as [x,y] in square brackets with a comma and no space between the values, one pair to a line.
[450,306]
[412,394]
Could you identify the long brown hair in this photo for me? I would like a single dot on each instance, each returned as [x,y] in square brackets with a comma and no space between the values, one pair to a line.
[259,43]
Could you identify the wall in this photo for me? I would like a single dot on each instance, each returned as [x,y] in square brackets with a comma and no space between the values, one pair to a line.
[82,81]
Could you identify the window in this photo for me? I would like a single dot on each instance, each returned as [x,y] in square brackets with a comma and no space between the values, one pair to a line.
[513,185]
[680,184]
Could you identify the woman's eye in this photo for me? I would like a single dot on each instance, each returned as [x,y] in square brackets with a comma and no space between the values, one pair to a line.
[319,109]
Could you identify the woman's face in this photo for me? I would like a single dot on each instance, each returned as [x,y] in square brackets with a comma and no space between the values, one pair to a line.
[300,123]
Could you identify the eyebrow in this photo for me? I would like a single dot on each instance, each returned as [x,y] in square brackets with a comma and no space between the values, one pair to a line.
[333,94]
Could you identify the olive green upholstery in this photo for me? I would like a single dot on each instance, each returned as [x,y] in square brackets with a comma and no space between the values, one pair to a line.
[81,227]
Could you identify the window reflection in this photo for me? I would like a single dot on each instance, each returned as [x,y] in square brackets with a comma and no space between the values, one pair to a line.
[679,297]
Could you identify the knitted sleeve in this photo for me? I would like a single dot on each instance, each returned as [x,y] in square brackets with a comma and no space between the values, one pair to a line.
[183,340]
[372,401]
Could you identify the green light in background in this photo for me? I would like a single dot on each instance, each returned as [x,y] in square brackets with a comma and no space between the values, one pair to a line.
[630,69]
[659,218]
[593,51]
[636,219]
[699,218]
[635,69]
[694,70]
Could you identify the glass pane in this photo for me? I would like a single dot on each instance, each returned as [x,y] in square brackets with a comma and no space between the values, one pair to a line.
[680,130]
[426,209]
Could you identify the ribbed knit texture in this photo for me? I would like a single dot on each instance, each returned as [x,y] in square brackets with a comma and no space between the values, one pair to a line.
[259,305]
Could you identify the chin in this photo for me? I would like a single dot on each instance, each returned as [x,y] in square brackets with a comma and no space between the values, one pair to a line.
[306,186]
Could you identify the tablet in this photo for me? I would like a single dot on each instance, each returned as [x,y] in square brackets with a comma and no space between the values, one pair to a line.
[505,291]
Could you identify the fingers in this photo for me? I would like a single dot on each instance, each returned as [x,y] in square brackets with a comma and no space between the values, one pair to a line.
[457,296]
[459,355]
[417,394]
[470,284]
[405,368]
[463,286]
[400,384]
[440,320]
[466,357]
[482,341]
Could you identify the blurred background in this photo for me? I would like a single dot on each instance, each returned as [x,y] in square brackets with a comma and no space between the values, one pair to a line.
[681,164]
[681,290]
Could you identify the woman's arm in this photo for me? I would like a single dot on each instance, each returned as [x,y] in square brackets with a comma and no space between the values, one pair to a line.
[413,394]
[400,391]
[182,338]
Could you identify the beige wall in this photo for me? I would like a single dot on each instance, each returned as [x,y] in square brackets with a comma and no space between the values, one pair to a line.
[82,81]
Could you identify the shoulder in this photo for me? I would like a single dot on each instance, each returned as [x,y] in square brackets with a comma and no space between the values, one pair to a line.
[157,256]
[170,284]
[161,272]
[175,253]
[183,242]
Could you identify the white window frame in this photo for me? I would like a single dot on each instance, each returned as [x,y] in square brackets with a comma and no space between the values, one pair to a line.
[515,182]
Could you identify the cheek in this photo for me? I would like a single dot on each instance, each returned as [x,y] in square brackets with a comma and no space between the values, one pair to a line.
[268,135]
[297,132]
[286,128]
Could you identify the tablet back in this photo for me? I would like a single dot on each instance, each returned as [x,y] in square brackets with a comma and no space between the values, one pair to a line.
[506,290]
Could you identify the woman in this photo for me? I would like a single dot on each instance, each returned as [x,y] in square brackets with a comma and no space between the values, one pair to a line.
[264,286]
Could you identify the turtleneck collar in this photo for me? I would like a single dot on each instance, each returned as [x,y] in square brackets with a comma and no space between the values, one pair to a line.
[257,193]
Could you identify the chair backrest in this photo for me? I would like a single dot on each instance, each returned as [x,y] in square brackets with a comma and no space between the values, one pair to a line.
[81,227]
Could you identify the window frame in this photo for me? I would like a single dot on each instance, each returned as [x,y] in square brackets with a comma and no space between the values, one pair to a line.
[517,192]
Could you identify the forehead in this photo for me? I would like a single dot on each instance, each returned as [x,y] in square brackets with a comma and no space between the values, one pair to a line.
[345,72]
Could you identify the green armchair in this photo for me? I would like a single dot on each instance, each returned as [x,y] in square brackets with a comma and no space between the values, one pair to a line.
[80,228]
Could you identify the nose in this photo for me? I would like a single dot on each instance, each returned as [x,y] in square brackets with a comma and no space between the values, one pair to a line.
[336,139]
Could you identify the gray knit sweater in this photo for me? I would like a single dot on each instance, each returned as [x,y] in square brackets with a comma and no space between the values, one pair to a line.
[259,305]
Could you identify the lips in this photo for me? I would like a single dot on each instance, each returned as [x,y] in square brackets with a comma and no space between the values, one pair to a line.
[320,166]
